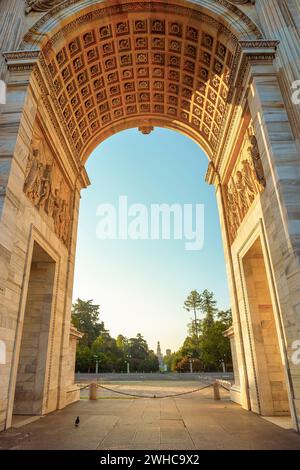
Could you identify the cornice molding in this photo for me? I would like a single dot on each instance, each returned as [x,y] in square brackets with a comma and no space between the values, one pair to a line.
[249,53]
[21,60]
[31,60]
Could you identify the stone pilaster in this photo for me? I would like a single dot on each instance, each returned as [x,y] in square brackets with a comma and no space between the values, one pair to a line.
[12,14]
[66,320]
[213,177]
[281,21]
[16,122]
[280,201]
[12,118]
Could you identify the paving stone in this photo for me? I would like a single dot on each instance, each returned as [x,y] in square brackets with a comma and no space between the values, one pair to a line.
[164,424]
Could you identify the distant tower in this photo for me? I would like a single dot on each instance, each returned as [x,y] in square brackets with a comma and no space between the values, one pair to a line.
[160,357]
[168,352]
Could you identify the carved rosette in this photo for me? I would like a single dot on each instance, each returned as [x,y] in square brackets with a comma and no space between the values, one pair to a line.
[46,188]
[246,182]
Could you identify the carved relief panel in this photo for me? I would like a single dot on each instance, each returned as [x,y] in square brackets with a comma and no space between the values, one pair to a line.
[46,186]
[246,182]
[41,5]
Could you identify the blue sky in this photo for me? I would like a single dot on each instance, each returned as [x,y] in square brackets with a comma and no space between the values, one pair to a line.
[141,284]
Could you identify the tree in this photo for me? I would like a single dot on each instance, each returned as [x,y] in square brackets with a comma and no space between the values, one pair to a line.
[172,360]
[215,348]
[122,342]
[111,354]
[83,358]
[193,303]
[205,340]
[193,327]
[208,306]
[140,357]
[184,365]
[150,364]
[190,347]
[225,316]
[85,317]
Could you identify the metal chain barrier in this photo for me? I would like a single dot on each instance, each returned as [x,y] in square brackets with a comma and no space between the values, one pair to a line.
[80,388]
[154,396]
[224,384]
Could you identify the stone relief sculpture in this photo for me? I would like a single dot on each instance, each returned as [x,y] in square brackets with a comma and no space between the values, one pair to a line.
[246,182]
[41,5]
[256,160]
[242,2]
[45,187]
[45,5]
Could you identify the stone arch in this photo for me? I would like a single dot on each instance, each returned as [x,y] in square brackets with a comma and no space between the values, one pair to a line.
[58,12]
[114,56]
[206,60]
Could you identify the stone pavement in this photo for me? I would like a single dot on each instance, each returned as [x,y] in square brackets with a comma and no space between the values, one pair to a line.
[185,423]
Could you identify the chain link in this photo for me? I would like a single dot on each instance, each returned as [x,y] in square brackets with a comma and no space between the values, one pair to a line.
[80,388]
[151,396]
[154,396]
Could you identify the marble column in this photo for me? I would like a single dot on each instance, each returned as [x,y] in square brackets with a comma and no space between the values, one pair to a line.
[16,121]
[281,20]
[243,398]
[280,205]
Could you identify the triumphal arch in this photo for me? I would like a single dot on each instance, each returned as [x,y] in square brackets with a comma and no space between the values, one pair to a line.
[222,72]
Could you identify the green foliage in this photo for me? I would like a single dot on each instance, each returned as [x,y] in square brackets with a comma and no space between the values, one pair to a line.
[208,307]
[83,357]
[173,360]
[191,347]
[184,365]
[215,348]
[141,359]
[85,317]
[205,343]
[205,340]
[112,354]
[193,303]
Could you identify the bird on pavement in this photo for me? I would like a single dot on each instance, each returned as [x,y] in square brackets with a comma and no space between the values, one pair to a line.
[77,421]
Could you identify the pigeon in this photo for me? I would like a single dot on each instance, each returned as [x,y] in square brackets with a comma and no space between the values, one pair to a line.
[77,421]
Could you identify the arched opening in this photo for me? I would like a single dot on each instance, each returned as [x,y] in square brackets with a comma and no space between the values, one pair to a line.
[140,279]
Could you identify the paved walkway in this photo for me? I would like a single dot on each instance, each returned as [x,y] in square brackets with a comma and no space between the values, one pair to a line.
[189,422]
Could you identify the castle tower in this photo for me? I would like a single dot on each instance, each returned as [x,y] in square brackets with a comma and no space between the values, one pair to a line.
[160,357]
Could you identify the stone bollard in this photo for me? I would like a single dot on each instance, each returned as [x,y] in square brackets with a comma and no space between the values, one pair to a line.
[216,391]
[93,391]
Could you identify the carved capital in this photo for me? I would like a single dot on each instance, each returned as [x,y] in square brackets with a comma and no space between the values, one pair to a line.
[260,49]
[252,52]
[21,60]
